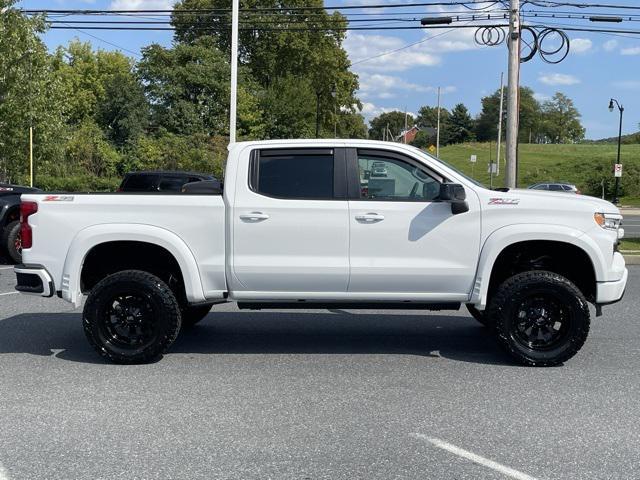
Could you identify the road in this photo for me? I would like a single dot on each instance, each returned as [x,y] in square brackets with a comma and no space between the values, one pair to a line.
[315,395]
[631,225]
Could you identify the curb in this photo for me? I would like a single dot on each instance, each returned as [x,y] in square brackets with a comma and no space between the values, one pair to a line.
[632,259]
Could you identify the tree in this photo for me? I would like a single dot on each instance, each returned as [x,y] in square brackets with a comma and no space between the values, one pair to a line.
[30,96]
[460,125]
[428,118]
[188,86]
[86,74]
[530,116]
[124,111]
[272,55]
[561,120]
[394,120]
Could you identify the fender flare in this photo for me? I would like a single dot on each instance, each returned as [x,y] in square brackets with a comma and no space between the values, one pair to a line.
[92,236]
[500,239]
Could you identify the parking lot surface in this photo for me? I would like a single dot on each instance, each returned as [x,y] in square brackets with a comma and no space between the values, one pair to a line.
[315,395]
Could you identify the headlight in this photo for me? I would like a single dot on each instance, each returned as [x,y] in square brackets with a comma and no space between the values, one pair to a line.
[608,221]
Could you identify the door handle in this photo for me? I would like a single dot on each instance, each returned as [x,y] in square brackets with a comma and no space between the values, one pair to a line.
[254,216]
[370,218]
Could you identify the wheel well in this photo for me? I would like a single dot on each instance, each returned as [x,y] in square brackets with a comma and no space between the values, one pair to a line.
[562,258]
[111,257]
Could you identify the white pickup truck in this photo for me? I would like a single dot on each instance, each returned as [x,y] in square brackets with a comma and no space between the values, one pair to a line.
[324,224]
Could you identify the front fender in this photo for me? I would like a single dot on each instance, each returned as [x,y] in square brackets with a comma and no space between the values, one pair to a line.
[95,235]
[505,236]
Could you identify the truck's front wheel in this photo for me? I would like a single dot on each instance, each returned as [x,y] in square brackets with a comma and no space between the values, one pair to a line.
[541,318]
[131,317]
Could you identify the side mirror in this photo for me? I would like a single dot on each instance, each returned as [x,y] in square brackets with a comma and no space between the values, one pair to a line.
[204,187]
[454,194]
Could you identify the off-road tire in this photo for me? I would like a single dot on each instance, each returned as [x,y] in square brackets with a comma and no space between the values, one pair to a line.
[10,235]
[480,316]
[192,314]
[164,317]
[547,288]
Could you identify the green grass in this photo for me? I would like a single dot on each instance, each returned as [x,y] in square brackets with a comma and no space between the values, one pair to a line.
[630,244]
[577,164]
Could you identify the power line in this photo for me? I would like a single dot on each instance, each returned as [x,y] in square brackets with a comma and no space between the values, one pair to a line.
[267,9]
[109,43]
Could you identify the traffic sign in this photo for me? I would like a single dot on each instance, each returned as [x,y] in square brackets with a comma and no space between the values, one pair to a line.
[474,158]
[617,170]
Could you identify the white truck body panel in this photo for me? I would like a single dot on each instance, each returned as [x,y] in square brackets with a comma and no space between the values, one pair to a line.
[256,248]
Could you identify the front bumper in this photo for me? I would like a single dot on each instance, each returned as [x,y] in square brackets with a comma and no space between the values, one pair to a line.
[611,292]
[34,280]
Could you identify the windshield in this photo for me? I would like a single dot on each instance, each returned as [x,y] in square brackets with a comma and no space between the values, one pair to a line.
[451,167]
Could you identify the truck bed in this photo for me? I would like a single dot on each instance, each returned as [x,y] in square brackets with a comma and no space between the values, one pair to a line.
[72,222]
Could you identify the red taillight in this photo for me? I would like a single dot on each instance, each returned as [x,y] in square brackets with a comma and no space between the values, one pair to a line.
[26,235]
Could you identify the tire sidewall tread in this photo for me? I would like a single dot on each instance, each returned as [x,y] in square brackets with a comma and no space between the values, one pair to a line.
[170,315]
[508,297]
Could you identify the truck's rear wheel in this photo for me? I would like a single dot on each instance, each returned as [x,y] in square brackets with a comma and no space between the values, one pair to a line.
[541,318]
[131,317]
[12,242]
[192,314]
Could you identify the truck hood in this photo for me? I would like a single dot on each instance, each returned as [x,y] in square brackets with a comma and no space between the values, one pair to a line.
[560,199]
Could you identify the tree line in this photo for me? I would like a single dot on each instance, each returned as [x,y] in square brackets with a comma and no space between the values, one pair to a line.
[98,114]
[553,121]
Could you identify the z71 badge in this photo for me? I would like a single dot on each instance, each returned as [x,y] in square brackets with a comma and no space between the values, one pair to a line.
[504,201]
[58,198]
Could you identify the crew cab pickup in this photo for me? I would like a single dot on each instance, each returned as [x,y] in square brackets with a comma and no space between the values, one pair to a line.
[325,224]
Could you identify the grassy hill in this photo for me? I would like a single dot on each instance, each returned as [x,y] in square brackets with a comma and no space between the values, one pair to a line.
[586,165]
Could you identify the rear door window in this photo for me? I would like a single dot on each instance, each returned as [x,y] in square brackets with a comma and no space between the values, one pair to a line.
[294,174]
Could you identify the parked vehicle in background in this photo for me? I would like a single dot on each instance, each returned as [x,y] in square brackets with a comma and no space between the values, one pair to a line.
[160,181]
[556,187]
[10,242]
[298,225]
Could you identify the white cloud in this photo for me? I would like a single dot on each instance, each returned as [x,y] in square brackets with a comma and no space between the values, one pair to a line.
[610,45]
[627,84]
[581,45]
[361,47]
[630,51]
[558,79]
[141,4]
[376,85]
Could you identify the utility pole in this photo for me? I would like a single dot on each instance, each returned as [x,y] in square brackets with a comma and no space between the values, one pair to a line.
[438,128]
[404,135]
[235,11]
[513,93]
[500,121]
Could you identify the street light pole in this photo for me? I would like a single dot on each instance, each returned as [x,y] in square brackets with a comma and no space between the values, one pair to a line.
[621,110]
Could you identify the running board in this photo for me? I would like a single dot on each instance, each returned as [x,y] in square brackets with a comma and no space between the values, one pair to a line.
[303,304]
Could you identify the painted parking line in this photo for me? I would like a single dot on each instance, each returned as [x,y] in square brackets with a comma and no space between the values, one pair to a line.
[485,462]
[3,473]
[2,295]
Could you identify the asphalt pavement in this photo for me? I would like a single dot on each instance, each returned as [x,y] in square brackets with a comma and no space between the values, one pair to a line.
[315,395]
[631,224]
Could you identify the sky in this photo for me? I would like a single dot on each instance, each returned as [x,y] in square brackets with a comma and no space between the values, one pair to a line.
[598,67]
